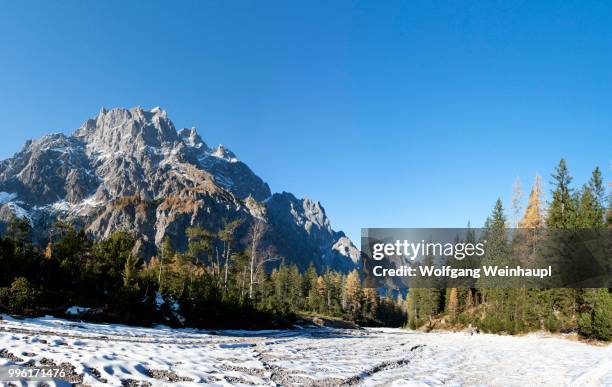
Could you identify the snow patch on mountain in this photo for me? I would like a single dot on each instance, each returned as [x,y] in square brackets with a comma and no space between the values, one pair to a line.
[6,197]
[20,212]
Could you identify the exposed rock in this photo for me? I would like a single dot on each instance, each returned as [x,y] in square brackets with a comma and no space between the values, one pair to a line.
[129,169]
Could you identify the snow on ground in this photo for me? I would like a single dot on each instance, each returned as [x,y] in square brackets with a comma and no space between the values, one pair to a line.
[102,354]
[76,310]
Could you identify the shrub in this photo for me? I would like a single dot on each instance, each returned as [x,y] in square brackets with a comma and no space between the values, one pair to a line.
[597,323]
[552,323]
[20,297]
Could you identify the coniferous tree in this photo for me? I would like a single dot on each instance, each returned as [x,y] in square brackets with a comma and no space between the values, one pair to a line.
[200,243]
[533,218]
[371,304]
[167,251]
[310,288]
[319,296]
[496,251]
[596,320]
[562,214]
[562,209]
[129,271]
[609,210]
[598,192]
[530,234]
[352,298]
[589,213]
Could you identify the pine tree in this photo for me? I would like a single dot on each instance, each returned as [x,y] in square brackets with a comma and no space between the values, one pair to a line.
[200,243]
[310,288]
[496,232]
[598,192]
[424,305]
[370,303]
[596,186]
[562,209]
[129,271]
[596,321]
[19,230]
[562,214]
[319,297]
[294,287]
[609,210]
[589,213]
[333,296]
[496,254]
[167,251]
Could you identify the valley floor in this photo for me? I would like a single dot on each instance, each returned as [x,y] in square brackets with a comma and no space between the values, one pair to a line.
[98,354]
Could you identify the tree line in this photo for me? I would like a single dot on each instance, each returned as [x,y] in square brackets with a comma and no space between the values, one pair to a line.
[586,311]
[218,281]
[221,280]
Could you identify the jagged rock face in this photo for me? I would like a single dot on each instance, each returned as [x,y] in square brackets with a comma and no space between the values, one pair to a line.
[131,170]
[47,170]
[303,229]
[129,131]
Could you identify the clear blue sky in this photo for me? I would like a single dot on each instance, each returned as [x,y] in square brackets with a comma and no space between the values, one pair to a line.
[408,113]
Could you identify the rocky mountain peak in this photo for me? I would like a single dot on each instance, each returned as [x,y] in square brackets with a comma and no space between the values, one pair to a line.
[190,137]
[129,169]
[225,154]
[127,130]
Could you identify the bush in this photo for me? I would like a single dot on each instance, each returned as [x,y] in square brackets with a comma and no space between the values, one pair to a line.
[20,297]
[597,323]
[412,324]
[490,324]
[552,323]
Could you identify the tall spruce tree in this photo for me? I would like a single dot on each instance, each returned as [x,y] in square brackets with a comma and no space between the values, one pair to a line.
[598,192]
[589,213]
[496,252]
[562,214]
[562,209]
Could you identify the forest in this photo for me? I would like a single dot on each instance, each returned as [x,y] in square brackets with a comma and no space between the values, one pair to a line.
[207,286]
[215,285]
[498,310]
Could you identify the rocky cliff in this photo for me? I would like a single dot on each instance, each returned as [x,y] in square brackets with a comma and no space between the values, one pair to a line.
[130,169]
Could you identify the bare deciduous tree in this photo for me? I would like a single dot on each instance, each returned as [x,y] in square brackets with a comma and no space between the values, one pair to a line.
[256,233]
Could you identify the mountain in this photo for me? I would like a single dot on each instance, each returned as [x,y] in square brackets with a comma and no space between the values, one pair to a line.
[130,169]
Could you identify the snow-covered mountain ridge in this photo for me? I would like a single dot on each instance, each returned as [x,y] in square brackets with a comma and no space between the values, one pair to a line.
[130,169]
